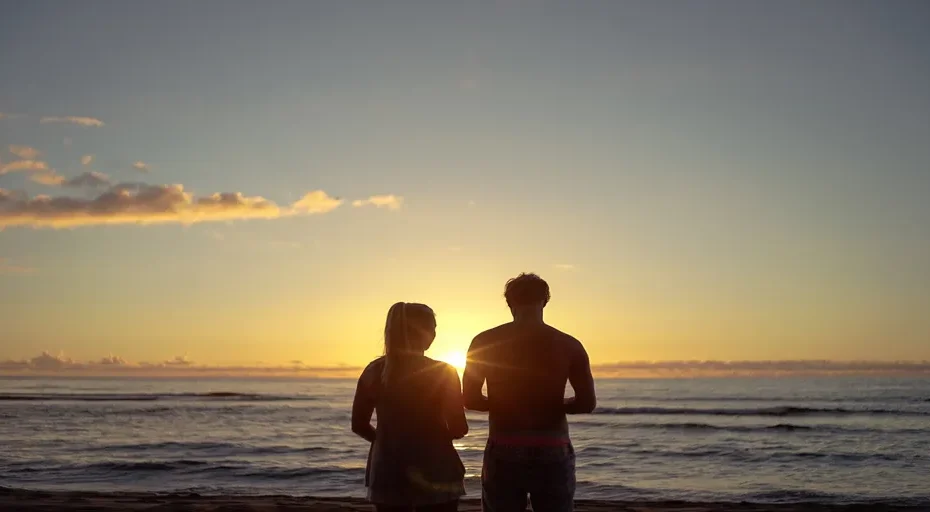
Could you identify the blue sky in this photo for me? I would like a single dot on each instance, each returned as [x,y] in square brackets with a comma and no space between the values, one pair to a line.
[715,180]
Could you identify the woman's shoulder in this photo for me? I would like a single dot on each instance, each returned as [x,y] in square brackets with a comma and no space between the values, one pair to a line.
[374,368]
[375,365]
[440,366]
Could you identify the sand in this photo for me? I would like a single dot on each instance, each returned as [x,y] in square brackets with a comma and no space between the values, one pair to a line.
[40,501]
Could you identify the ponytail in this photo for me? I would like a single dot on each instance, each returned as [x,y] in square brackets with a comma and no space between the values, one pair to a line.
[396,344]
[408,331]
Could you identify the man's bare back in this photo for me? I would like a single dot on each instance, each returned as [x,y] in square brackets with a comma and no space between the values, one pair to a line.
[526,365]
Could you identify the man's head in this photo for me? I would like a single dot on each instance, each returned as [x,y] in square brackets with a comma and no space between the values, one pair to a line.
[526,293]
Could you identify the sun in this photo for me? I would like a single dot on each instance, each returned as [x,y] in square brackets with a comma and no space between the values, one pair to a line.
[455,358]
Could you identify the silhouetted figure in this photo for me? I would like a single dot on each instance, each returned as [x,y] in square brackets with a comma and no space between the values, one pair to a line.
[526,365]
[412,464]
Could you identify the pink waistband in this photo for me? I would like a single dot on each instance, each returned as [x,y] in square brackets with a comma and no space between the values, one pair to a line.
[525,440]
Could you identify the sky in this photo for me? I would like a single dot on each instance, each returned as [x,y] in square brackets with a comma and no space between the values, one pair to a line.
[244,185]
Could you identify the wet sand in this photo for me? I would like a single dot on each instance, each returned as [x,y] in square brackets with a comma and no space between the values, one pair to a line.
[40,501]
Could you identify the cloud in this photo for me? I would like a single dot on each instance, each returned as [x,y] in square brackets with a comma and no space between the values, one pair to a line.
[759,368]
[49,177]
[40,171]
[82,121]
[571,267]
[2,115]
[47,361]
[317,201]
[91,179]
[141,166]
[24,152]
[8,268]
[389,201]
[23,165]
[139,203]
[148,204]
[87,159]
[178,361]
[49,364]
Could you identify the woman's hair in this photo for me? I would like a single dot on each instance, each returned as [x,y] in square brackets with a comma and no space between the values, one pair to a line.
[408,331]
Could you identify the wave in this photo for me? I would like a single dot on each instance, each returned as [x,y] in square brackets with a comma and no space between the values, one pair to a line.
[742,455]
[213,447]
[188,468]
[117,466]
[779,427]
[761,398]
[763,411]
[150,397]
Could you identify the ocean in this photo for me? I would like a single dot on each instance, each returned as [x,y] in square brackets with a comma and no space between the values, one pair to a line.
[823,440]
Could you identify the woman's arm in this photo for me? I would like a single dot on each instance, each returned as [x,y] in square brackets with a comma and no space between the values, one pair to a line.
[362,407]
[453,406]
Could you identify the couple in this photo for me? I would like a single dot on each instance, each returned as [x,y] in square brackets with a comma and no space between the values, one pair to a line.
[420,405]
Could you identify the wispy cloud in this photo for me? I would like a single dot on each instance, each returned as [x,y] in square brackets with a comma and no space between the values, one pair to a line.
[25,152]
[87,160]
[91,179]
[78,120]
[141,166]
[389,201]
[49,177]
[137,203]
[6,267]
[568,267]
[23,165]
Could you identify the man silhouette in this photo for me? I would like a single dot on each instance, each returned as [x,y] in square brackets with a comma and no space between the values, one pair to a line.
[526,365]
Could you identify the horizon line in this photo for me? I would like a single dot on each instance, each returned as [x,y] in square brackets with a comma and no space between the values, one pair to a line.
[47,364]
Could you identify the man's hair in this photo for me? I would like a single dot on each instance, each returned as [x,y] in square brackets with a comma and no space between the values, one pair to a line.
[526,289]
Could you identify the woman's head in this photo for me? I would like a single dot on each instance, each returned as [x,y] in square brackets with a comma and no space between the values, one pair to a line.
[409,330]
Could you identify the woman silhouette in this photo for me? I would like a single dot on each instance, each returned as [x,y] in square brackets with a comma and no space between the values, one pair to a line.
[412,464]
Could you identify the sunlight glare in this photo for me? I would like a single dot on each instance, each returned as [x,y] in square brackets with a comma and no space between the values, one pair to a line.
[455,358]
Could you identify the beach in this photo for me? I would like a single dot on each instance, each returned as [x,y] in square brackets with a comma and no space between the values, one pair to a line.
[39,501]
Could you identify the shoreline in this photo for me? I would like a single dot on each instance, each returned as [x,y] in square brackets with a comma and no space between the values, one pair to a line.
[86,501]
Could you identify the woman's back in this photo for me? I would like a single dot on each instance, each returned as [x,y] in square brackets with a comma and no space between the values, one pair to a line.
[413,455]
[412,404]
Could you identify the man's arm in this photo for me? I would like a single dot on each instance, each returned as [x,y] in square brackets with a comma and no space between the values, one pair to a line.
[579,375]
[473,379]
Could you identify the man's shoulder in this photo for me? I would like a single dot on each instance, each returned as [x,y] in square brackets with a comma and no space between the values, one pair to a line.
[492,334]
[565,340]
[564,336]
